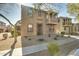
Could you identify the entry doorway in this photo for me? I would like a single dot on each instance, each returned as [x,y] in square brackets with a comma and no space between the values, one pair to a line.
[39,29]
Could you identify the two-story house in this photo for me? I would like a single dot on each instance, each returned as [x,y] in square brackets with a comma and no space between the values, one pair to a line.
[36,22]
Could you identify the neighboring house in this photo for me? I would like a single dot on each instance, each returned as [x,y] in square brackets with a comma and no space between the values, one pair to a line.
[8,28]
[2,26]
[36,22]
[65,25]
[75,28]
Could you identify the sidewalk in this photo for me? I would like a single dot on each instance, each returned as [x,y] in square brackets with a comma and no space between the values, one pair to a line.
[77,37]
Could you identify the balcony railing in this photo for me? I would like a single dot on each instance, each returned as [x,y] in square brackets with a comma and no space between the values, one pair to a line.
[52,21]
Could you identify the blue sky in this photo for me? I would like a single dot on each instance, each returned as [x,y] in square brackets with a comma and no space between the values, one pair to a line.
[13,11]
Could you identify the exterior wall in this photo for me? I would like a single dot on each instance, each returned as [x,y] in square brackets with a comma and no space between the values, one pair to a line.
[60,25]
[75,28]
[34,20]
[65,25]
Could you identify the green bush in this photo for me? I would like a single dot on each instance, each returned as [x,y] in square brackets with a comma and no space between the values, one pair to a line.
[12,33]
[40,39]
[53,49]
[29,39]
[62,34]
[55,38]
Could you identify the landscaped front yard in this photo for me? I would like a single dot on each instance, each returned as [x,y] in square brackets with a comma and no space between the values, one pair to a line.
[46,39]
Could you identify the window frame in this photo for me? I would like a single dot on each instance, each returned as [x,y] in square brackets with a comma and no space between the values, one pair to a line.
[29,29]
[30,12]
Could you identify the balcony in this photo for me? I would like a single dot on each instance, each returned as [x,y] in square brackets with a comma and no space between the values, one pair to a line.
[52,21]
[67,24]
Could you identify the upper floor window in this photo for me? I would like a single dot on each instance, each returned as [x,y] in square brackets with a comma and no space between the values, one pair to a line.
[30,11]
[39,12]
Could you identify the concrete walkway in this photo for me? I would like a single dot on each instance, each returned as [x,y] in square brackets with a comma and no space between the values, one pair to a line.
[32,49]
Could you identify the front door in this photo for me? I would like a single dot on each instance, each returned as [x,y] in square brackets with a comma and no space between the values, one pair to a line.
[39,29]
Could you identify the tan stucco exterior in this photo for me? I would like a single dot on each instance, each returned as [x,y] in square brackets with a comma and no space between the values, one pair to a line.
[75,28]
[36,19]
[65,25]
[48,23]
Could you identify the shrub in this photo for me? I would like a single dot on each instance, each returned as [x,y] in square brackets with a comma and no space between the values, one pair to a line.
[53,49]
[62,34]
[41,39]
[55,38]
[57,35]
[29,39]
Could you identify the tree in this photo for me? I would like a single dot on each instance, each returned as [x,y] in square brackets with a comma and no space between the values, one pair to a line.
[73,9]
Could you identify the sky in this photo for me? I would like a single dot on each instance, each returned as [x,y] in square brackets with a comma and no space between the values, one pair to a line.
[13,11]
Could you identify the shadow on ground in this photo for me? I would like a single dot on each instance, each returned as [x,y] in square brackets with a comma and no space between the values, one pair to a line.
[12,49]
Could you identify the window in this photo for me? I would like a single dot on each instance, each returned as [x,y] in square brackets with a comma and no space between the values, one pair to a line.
[30,27]
[39,13]
[30,11]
